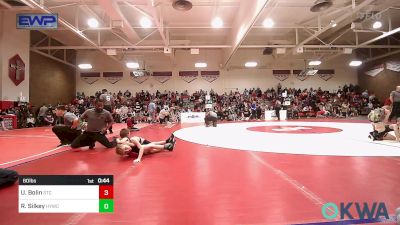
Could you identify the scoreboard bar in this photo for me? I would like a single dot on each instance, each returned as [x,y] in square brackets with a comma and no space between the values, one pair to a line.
[65,180]
[66,194]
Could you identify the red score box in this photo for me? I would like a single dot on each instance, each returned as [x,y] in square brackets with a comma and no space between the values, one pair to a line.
[106,192]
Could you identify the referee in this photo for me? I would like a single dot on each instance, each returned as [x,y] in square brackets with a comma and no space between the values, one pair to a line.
[98,121]
[211,118]
[108,101]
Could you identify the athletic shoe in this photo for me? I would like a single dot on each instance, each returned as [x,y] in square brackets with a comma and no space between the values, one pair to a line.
[91,146]
[170,139]
[172,145]
[169,147]
[370,137]
[63,144]
[373,135]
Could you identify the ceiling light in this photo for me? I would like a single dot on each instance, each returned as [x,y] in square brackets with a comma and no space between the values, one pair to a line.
[250,64]
[200,65]
[85,66]
[132,65]
[321,5]
[268,23]
[93,23]
[377,25]
[145,22]
[217,22]
[355,63]
[333,23]
[314,63]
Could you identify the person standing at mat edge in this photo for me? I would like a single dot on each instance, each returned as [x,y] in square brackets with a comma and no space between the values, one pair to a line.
[277,108]
[395,99]
[108,103]
[69,130]
[98,121]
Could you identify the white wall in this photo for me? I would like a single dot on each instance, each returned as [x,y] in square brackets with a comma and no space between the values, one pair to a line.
[1,54]
[13,42]
[229,79]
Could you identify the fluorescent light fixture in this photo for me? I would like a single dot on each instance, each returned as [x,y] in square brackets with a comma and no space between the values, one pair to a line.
[314,63]
[250,64]
[85,66]
[217,22]
[377,25]
[93,23]
[355,63]
[200,65]
[145,22]
[268,23]
[132,65]
[333,23]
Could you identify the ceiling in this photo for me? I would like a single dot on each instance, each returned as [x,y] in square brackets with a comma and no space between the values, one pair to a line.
[295,26]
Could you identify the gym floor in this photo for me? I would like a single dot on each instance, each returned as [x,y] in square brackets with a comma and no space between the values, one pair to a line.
[236,173]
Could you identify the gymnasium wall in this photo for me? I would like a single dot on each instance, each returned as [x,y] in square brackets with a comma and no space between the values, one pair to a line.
[229,80]
[51,82]
[382,84]
[1,57]
[12,42]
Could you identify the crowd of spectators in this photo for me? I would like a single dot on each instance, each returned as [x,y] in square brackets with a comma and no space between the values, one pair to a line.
[235,105]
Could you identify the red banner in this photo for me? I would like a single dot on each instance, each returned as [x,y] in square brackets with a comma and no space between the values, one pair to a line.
[90,77]
[281,74]
[188,76]
[210,76]
[326,74]
[163,76]
[300,75]
[113,77]
[16,70]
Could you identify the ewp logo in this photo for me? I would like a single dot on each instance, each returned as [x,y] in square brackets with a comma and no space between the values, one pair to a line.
[37,21]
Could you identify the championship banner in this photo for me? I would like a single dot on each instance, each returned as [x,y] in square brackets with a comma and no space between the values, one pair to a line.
[113,77]
[162,77]
[299,75]
[281,74]
[209,76]
[139,77]
[90,77]
[375,70]
[16,69]
[326,74]
[393,65]
[188,76]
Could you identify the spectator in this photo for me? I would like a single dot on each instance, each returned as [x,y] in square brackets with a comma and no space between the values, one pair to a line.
[164,115]
[42,114]
[30,121]
[48,119]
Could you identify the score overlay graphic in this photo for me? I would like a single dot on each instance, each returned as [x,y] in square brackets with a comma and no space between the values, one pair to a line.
[66,194]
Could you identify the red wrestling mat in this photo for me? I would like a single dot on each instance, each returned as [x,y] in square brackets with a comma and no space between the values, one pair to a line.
[196,184]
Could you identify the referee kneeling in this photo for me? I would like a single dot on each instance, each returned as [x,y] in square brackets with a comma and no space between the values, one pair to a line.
[99,121]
